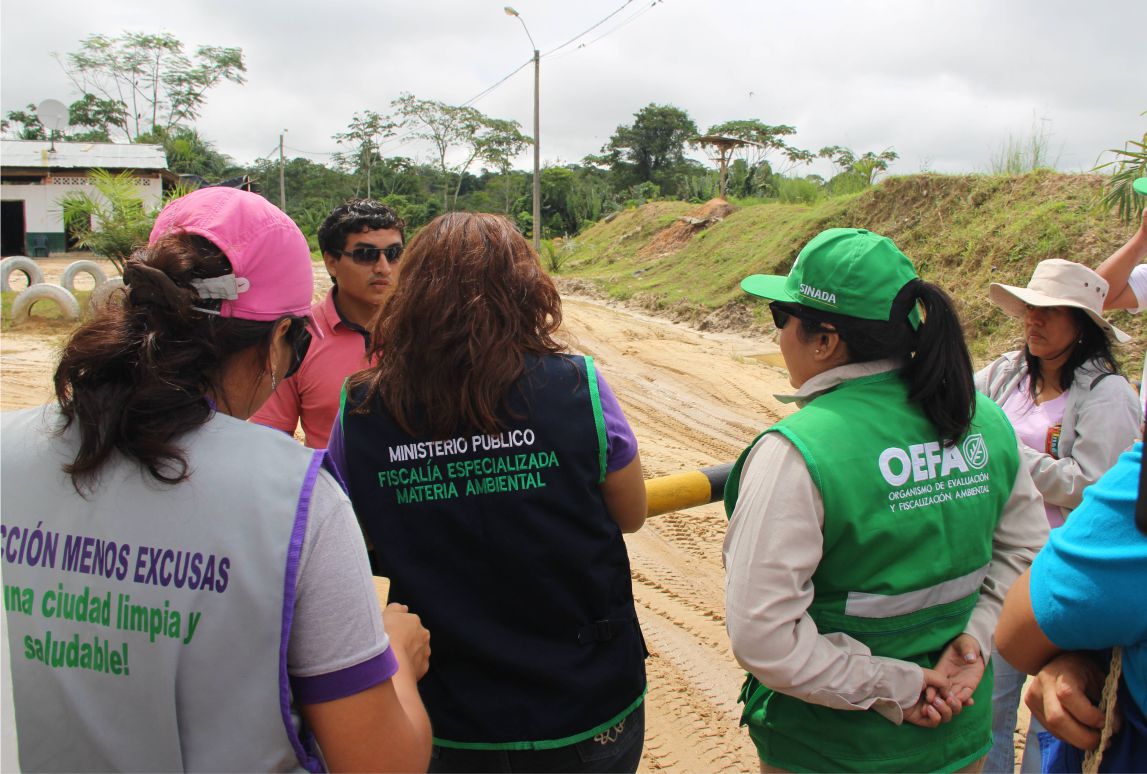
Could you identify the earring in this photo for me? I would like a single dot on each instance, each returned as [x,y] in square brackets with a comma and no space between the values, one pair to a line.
[274,380]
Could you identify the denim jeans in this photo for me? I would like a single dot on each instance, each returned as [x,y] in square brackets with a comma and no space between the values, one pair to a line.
[614,751]
[1006,693]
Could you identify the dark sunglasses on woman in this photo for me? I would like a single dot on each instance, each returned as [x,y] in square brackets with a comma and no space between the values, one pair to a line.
[782,315]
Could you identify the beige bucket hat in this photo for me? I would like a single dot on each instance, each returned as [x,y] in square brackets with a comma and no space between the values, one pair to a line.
[1056,282]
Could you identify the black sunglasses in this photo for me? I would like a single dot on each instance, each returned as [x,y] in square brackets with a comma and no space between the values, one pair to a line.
[368,256]
[782,315]
[299,339]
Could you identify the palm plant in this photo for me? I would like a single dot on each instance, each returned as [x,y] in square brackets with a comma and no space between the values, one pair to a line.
[113,223]
[1130,163]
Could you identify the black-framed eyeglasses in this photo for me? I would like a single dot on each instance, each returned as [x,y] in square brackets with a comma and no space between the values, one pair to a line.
[368,256]
[299,339]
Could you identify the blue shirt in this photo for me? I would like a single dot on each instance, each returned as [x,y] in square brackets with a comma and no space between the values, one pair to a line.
[1087,584]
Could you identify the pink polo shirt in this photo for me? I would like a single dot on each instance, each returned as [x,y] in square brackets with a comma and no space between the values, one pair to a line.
[312,393]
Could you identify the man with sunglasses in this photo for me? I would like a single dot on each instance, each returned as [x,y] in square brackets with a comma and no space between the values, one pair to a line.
[361,242]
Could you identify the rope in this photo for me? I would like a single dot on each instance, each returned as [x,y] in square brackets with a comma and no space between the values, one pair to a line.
[1093,758]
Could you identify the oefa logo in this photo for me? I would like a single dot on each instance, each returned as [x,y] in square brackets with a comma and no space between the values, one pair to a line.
[975,451]
[824,296]
[926,461]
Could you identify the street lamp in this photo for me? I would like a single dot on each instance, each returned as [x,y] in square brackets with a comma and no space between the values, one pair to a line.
[537,133]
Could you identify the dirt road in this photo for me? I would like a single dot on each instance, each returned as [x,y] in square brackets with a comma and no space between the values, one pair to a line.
[694,399]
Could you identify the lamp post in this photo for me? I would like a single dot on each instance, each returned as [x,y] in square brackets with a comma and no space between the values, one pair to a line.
[537,133]
[282,176]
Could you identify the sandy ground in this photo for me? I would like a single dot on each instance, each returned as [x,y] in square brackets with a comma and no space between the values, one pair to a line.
[694,399]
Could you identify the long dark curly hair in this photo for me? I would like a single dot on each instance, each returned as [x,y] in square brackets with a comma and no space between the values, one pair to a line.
[135,377]
[471,302]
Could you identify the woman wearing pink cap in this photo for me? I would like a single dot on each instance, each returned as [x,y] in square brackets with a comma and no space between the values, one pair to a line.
[190,591]
[1072,410]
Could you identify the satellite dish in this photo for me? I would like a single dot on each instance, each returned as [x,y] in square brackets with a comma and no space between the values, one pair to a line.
[53,114]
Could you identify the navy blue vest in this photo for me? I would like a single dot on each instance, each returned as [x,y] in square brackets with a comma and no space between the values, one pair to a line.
[503,545]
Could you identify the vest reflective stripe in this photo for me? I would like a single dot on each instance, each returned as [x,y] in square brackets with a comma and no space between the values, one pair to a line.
[598,417]
[290,587]
[863,605]
[202,653]
[905,550]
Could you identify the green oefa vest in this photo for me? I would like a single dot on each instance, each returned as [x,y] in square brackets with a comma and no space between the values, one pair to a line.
[908,530]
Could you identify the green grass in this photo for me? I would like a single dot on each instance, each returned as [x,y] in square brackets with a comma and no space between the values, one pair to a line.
[962,232]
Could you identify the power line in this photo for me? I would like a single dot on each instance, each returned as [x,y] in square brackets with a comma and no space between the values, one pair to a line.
[400,141]
[267,155]
[591,29]
[311,153]
[609,32]
[481,94]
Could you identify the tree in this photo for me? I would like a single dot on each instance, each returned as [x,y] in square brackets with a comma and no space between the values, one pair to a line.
[652,149]
[114,223]
[461,129]
[189,154]
[1129,164]
[571,196]
[146,82]
[397,176]
[500,145]
[367,130]
[866,167]
[30,126]
[445,127]
[99,115]
[761,140]
[854,173]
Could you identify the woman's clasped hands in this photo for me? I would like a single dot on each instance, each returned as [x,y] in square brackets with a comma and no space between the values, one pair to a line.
[949,685]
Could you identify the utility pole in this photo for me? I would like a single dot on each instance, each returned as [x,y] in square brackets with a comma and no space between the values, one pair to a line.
[537,131]
[282,178]
[537,154]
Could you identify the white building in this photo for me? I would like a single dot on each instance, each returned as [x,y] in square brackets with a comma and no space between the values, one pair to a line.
[34,177]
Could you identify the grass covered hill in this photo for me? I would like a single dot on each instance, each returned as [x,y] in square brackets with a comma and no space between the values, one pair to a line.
[962,232]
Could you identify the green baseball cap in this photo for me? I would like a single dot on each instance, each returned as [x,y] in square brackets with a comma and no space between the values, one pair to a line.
[846,271]
[1140,186]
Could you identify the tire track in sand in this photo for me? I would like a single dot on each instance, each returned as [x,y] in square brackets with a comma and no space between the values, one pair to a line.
[693,399]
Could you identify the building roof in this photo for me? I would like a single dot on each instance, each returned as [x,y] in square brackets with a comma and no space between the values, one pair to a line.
[81,155]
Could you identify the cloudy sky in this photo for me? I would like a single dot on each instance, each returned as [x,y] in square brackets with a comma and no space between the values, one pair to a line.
[944,84]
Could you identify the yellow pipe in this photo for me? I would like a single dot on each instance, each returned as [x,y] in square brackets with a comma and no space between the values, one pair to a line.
[678,491]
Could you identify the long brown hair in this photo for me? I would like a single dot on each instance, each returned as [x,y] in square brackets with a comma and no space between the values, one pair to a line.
[134,378]
[472,300]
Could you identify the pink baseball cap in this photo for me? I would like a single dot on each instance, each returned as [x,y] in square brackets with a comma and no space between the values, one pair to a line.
[273,276]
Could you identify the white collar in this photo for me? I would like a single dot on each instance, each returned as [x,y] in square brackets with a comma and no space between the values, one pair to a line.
[827,380]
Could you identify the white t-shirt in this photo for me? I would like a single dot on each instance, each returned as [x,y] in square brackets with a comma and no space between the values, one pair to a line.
[1137,281]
